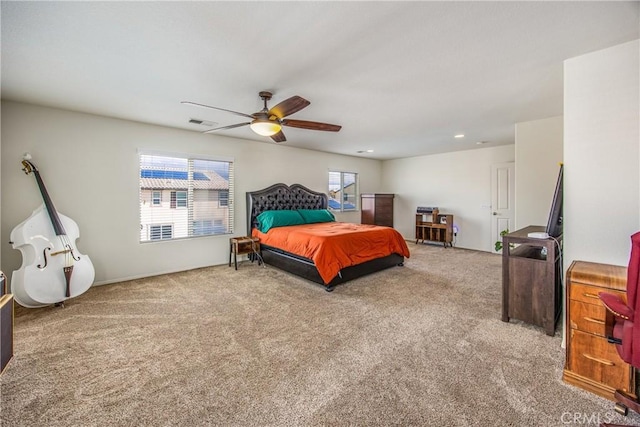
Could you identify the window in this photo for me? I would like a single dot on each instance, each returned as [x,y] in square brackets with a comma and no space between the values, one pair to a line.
[160,232]
[199,192]
[178,199]
[343,191]
[223,198]
[156,198]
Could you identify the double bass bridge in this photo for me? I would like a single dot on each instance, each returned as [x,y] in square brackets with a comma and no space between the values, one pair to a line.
[67,250]
[64,251]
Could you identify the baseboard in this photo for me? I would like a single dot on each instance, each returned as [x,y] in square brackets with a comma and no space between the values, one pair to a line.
[590,385]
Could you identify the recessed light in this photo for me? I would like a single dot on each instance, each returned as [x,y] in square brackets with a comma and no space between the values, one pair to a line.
[460,135]
[369,151]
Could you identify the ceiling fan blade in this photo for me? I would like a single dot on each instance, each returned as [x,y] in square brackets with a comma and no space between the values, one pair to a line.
[279,137]
[288,107]
[304,124]
[227,127]
[217,108]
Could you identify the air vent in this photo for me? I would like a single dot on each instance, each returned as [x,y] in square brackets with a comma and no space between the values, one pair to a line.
[202,122]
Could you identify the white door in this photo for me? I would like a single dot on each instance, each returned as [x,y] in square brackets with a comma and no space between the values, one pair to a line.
[503,197]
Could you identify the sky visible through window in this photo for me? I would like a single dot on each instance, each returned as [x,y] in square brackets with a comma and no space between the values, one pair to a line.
[334,180]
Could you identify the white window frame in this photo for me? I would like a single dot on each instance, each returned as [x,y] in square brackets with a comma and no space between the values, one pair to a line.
[341,200]
[221,227]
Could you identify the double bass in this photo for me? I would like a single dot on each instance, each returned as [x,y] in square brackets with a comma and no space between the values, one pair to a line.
[53,270]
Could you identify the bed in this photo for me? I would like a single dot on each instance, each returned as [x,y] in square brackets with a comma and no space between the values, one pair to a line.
[281,197]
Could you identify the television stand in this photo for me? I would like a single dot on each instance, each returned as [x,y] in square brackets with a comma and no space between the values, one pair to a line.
[532,278]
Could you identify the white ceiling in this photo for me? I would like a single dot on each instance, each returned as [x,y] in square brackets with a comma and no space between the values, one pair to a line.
[402,78]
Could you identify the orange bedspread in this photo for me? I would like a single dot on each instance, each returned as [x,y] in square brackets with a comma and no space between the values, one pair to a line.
[335,245]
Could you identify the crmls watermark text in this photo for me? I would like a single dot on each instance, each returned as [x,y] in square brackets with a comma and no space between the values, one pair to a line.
[584,418]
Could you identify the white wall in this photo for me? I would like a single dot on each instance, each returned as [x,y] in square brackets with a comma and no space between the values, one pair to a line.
[90,167]
[601,152]
[458,183]
[538,158]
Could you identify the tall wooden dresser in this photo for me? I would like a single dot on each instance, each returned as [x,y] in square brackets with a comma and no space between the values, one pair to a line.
[592,363]
[377,209]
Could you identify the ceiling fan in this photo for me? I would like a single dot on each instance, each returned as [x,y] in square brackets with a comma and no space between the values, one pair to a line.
[269,122]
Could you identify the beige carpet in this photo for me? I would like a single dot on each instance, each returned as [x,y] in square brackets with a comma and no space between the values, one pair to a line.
[417,345]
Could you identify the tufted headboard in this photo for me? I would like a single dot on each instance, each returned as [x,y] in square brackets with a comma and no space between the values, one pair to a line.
[282,197]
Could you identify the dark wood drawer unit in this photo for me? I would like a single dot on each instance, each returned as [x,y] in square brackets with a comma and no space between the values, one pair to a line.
[592,363]
[377,209]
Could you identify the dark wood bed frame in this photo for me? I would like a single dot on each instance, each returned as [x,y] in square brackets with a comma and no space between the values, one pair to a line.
[296,196]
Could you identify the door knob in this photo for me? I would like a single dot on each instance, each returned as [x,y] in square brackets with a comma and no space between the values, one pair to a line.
[495,213]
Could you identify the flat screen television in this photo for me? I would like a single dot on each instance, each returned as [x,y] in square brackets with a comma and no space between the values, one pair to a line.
[554,224]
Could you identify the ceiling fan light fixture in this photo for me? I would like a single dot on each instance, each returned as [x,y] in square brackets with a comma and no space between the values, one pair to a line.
[265,127]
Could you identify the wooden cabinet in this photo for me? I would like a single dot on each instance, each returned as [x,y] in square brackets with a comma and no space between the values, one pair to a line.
[435,227]
[6,324]
[531,278]
[6,330]
[377,209]
[592,363]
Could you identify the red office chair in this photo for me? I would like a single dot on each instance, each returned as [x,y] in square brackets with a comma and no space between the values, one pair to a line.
[624,332]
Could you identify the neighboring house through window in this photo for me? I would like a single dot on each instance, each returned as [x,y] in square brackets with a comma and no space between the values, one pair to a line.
[203,227]
[343,191]
[182,196]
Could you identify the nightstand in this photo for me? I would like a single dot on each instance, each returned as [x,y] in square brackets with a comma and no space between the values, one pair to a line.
[243,245]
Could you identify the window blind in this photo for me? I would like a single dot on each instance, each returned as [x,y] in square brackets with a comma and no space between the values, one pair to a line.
[184,196]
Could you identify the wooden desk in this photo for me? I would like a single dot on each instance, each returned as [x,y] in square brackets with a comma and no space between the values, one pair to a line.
[243,245]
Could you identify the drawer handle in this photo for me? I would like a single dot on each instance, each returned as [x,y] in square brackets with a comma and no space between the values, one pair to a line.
[590,295]
[591,319]
[595,359]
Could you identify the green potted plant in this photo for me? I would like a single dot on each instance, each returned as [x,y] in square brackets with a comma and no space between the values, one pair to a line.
[499,242]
